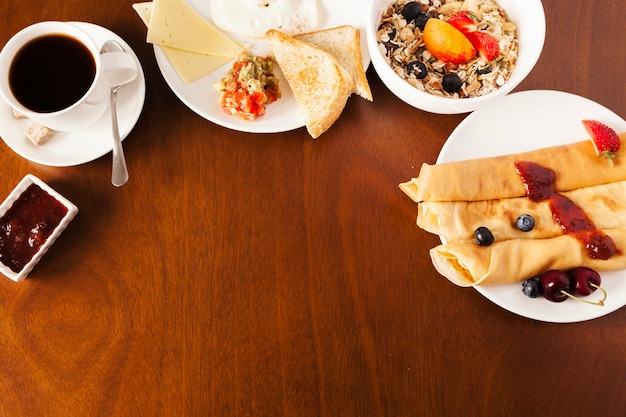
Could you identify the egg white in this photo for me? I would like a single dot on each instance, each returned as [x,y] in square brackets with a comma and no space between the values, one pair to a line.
[252,18]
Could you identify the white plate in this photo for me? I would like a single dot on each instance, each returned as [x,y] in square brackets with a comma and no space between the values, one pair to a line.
[281,116]
[521,122]
[75,148]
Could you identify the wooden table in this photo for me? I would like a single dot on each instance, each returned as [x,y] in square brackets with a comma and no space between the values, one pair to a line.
[258,275]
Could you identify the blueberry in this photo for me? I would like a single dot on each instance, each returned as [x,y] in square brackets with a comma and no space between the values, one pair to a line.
[420,20]
[531,288]
[417,68]
[484,70]
[411,10]
[483,236]
[525,223]
[451,83]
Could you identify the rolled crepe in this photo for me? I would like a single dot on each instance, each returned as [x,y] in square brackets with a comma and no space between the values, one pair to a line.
[455,221]
[576,166]
[514,260]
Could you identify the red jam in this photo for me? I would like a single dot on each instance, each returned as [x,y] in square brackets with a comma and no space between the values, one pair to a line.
[27,225]
[539,184]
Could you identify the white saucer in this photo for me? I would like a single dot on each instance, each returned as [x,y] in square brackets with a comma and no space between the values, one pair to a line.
[79,147]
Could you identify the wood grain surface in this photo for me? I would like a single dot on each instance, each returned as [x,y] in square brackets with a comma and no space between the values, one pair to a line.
[274,275]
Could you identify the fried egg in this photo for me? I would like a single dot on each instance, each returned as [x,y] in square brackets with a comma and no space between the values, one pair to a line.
[252,18]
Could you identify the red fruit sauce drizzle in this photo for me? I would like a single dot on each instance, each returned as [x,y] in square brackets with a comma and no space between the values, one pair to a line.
[539,184]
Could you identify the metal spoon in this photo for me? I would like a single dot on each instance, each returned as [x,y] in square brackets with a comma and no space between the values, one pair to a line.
[119,68]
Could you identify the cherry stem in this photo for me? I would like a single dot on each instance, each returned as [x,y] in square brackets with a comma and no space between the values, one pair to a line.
[597,303]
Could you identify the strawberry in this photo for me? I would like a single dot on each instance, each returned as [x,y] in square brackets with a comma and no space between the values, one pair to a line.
[485,44]
[464,20]
[447,43]
[605,140]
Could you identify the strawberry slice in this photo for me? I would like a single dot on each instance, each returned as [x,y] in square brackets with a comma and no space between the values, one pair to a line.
[605,140]
[464,20]
[486,45]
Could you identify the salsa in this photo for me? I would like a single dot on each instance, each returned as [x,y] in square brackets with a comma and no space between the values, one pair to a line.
[248,87]
[27,225]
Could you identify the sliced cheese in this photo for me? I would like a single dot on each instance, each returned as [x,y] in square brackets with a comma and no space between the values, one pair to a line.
[190,66]
[174,24]
[144,10]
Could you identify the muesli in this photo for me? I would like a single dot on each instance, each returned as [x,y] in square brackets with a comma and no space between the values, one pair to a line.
[401,42]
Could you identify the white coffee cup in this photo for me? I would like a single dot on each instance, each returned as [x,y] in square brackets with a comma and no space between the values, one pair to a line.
[78,110]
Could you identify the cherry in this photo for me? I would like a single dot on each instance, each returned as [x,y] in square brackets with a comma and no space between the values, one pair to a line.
[586,280]
[555,284]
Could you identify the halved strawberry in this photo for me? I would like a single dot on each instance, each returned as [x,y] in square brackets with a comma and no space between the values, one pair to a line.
[605,140]
[446,42]
[485,44]
[464,20]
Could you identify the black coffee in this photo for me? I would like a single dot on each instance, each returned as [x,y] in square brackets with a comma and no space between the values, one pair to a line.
[51,73]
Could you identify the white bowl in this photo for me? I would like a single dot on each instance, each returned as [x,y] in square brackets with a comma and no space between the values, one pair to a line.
[529,17]
[17,192]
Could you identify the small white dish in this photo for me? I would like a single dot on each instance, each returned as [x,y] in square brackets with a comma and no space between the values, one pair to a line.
[281,116]
[85,145]
[522,122]
[15,195]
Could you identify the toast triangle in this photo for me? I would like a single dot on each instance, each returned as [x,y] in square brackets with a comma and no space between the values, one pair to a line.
[344,43]
[320,85]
